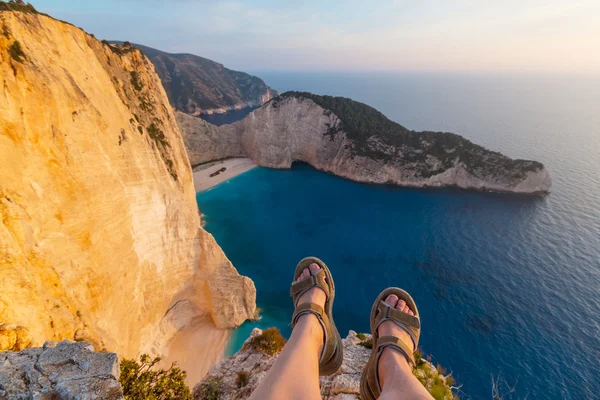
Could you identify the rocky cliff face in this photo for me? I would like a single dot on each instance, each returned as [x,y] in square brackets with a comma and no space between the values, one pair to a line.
[65,370]
[354,141]
[206,142]
[198,86]
[100,235]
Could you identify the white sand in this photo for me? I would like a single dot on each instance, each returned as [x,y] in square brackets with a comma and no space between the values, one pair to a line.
[234,167]
[196,348]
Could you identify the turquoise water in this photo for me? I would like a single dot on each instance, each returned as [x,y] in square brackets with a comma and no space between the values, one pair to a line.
[505,284]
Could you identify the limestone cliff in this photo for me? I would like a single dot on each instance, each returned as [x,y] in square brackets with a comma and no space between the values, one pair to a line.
[100,235]
[354,141]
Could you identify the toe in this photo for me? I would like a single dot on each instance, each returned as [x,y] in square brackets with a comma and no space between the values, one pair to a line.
[391,300]
[406,309]
[314,268]
[401,304]
[305,274]
[410,312]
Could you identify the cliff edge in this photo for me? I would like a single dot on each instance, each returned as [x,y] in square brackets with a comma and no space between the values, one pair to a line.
[236,377]
[100,234]
[355,141]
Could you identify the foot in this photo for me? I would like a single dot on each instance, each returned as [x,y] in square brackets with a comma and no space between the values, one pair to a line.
[315,295]
[391,361]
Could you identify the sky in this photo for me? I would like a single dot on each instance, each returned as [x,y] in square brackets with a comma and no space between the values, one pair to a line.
[352,35]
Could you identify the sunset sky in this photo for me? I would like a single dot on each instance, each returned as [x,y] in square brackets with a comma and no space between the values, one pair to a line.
[462,35]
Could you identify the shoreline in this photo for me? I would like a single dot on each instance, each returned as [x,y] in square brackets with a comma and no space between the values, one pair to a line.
[223,170]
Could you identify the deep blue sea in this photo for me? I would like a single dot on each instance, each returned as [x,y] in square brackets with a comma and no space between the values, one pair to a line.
[506,285]
[229,117]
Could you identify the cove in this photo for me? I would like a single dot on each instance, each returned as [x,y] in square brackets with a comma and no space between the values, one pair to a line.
[483,268]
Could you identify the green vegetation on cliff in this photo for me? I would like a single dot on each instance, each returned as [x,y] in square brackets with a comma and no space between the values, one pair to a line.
[375,136]
[17,5]
[142,381]
[269,342]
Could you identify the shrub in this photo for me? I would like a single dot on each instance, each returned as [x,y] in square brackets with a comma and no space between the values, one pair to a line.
[16,51]
[135,81]
[368,343]
[141,381]
[361,336]
[269,342]
[5,30]
[418,354]
[242,379]
[157,135]
[209,389]
[18,5]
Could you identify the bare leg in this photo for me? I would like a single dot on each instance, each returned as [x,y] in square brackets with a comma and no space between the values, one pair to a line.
[395,374]
[295,374]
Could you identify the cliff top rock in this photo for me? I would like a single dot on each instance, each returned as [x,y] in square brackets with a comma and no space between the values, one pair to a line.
[65,370]
[235,377]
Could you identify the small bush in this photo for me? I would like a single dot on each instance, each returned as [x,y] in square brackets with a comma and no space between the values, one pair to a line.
[269,342]
[157,135]
[361,336]
[5,30]
[210,389]
[18,5]
[368,343]
[441,370]
[140,381]
[135,81]
[242,379]
[16,51]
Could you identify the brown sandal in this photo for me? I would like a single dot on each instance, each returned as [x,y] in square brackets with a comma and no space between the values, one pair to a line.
[332,354]
[370,388]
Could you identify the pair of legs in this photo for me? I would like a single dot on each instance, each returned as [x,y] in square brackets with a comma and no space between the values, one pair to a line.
[295,374]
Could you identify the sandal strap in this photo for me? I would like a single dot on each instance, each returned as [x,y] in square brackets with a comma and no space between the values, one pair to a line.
[317,280]
[383,342]
[329,347]
[397,344]
[410,323]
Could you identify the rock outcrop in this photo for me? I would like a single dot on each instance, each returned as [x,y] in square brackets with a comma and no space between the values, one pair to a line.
[206,142]
[235,377]
[200,86]
[100,234]
[65,370]
[354,141]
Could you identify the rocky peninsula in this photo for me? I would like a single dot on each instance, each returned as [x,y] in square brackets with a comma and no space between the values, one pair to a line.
[352,140]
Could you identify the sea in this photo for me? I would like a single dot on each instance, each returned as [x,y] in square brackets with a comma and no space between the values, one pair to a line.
[508,286]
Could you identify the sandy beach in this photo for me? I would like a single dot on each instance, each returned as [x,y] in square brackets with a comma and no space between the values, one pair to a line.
[232,167]
[196,348]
